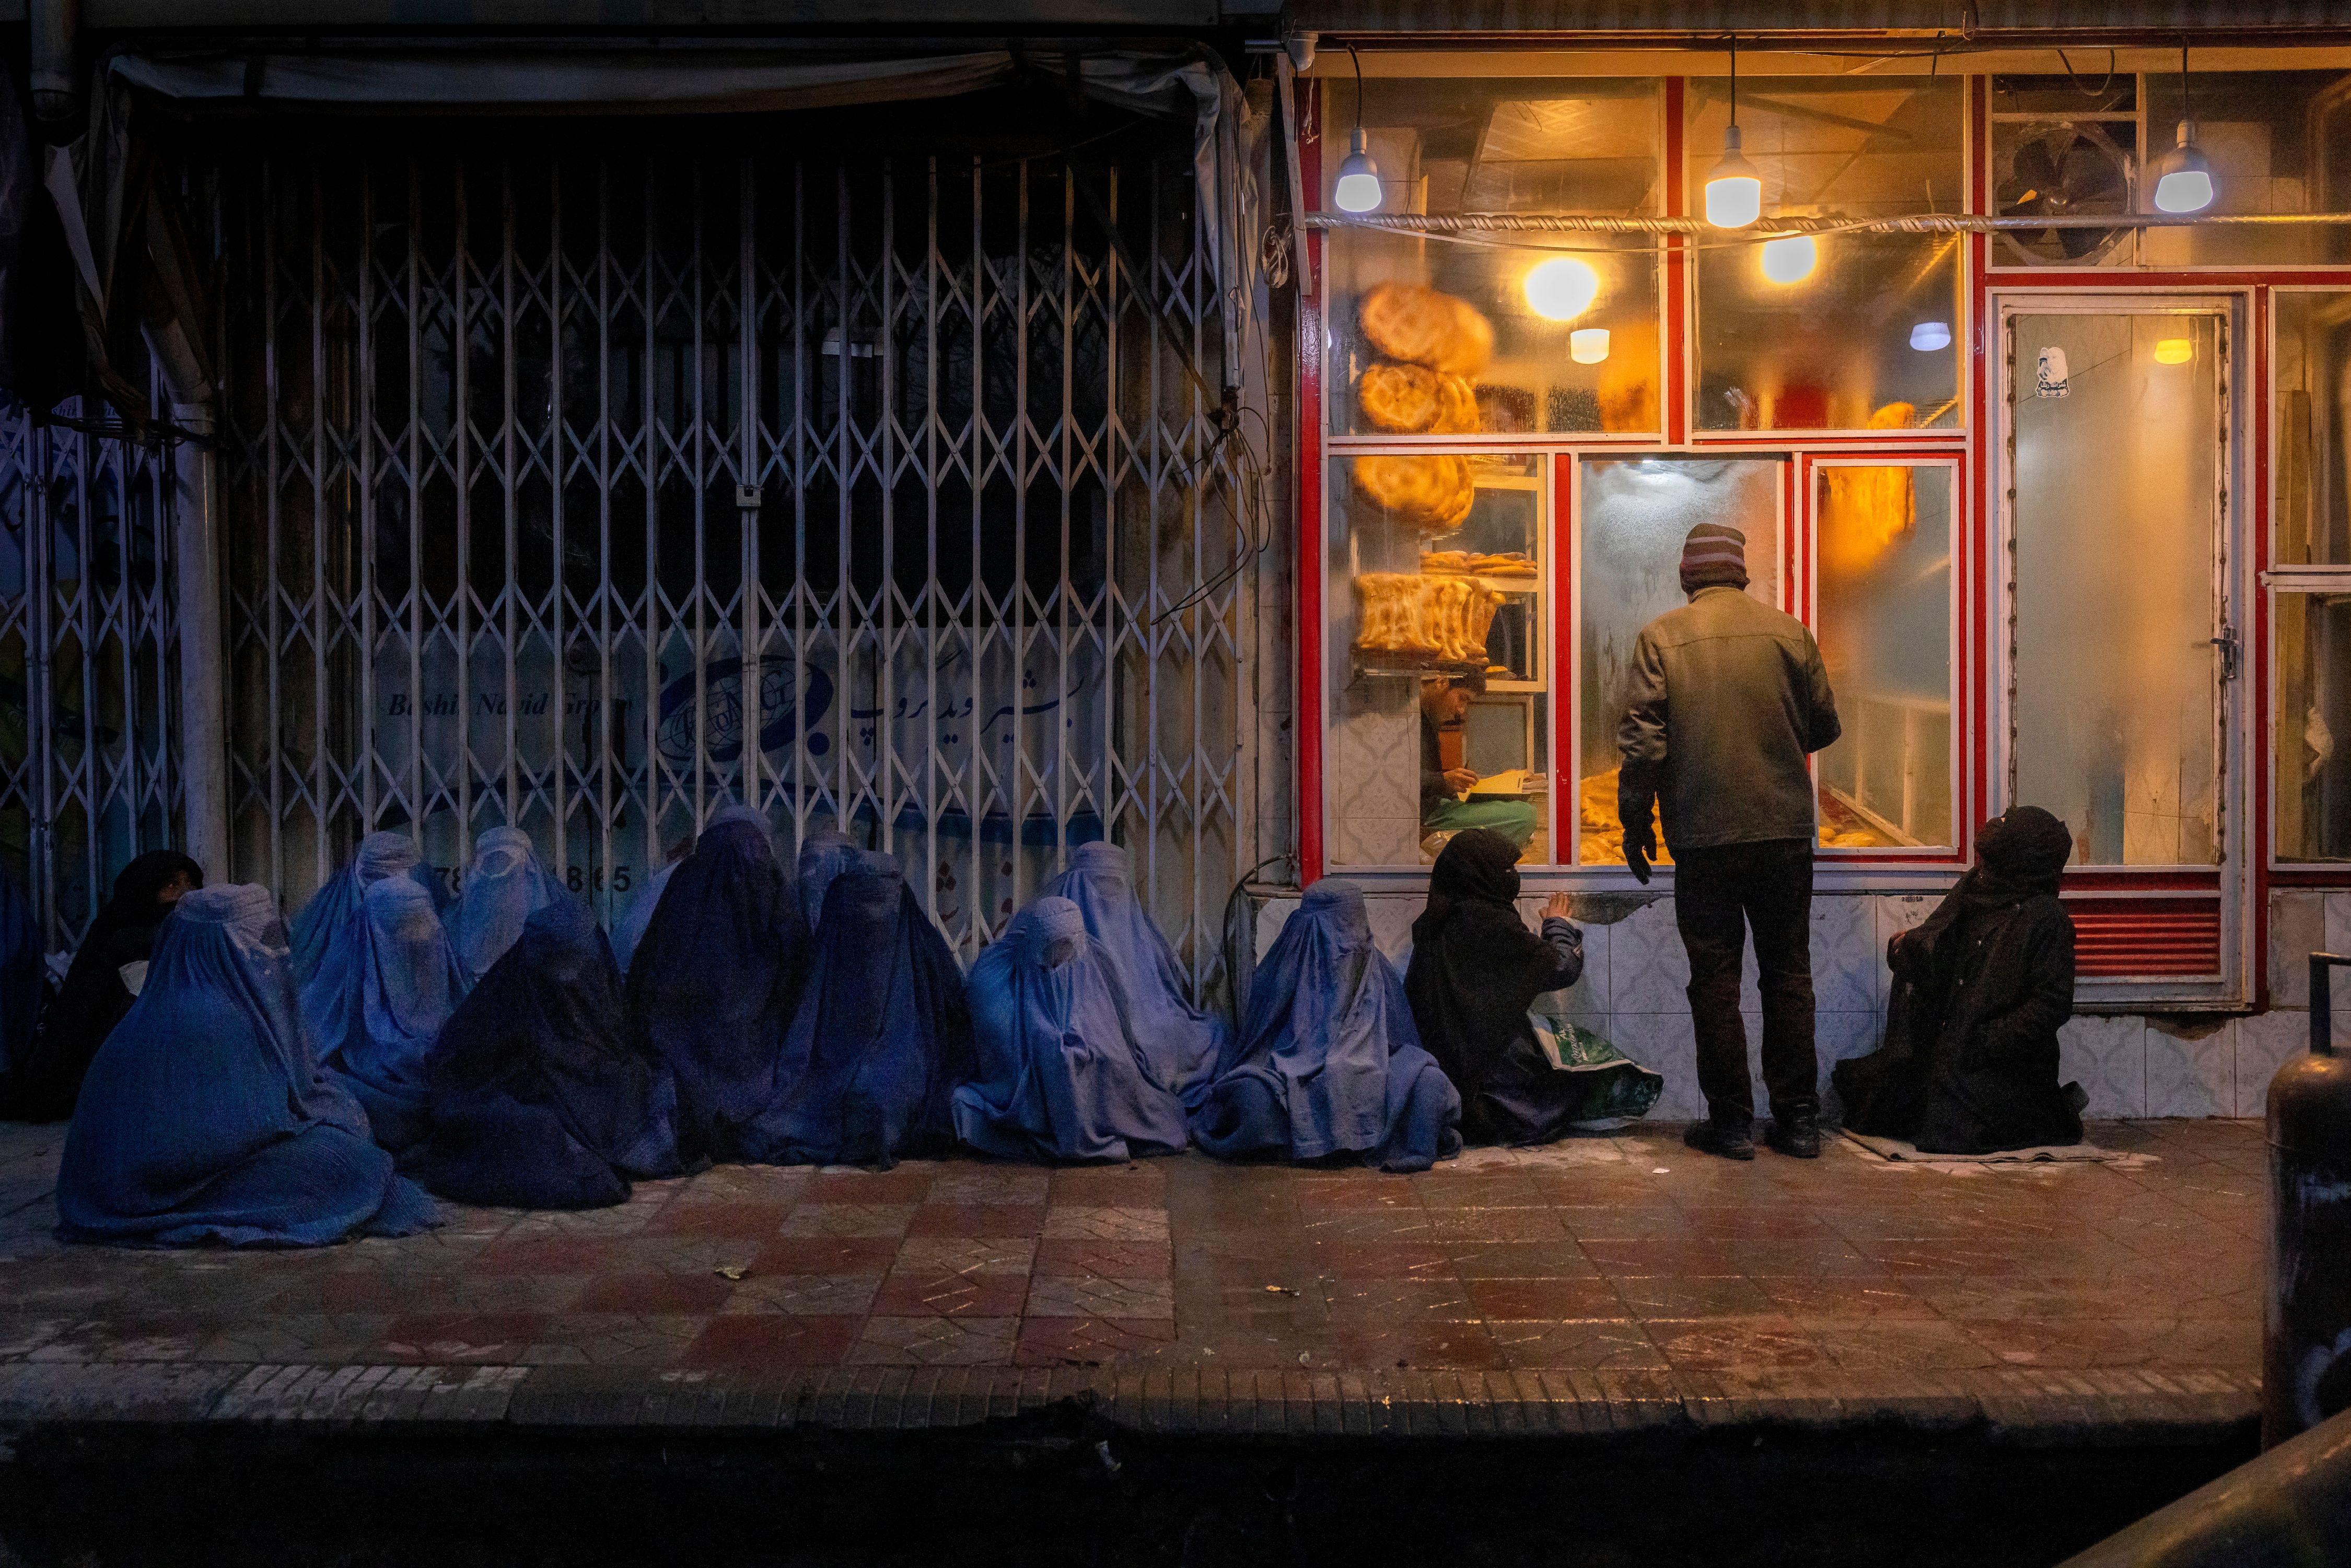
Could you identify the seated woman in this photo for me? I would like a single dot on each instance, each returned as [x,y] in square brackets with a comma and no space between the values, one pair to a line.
[1475,971]
[1969,1062]
[540,1101]
[1180,1042]
[401,984]
[205,1118]
[630,929]
[1329,1061]
[879,1037]
[95,995]
[331,932]
[710,990]
[505,886]
[1059,1077]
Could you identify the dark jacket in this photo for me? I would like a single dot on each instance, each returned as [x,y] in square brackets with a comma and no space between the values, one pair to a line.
[1969,1060]
[1725,699]
[1435,792]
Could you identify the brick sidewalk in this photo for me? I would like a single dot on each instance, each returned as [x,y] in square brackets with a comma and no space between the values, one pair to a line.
[1616,1263]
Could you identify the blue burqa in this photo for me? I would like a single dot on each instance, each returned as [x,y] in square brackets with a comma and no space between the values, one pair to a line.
[710,992]
[1058,1078]
[505,886]
[630,929]
[824,855]
[204,1116]
[401,986]
[330,934]
[879,1037]
[20,974]
[1329,1061]
[1180,1042]
[540,1101]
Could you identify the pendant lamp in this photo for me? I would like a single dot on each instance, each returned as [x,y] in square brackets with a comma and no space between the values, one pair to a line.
[1734,190]
[1357,188]
[2183,178]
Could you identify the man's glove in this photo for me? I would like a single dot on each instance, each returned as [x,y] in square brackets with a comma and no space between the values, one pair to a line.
[1640,846]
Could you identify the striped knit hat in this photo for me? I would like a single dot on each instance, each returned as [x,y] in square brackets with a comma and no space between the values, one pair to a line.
[1714,555]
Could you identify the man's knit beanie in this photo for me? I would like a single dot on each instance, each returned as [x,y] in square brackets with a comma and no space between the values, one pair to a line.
[1715,555]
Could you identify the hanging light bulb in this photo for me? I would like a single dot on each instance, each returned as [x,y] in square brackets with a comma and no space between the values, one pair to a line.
[1358,186]
[2183,178]
[1561,288]
[1734,190]
[2174,351]
[1791,258]
[1928,336]
[1588,345]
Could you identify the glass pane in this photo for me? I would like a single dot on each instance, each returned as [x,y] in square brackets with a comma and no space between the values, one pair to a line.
[1884,557]
[2313,409]
[1635,514]
[2313,765]
[1443,336]
[2118,428]
[2064,146]
[1435,609]
[1843,331]
[2279,141]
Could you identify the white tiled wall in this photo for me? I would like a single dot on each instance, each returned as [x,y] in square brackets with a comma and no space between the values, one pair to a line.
[1635,972]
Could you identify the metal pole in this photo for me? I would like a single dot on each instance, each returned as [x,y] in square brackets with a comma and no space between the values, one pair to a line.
[203,710]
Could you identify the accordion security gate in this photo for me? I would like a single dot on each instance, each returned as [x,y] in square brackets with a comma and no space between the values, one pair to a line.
[593,493]
[89,663]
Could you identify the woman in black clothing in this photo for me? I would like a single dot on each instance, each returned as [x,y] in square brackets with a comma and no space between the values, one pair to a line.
[1969,1063]
[1476,968]
[94,998]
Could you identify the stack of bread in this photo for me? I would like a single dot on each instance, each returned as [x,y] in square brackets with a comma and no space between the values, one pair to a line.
[1441,619]
[1477,563]
[1431,345]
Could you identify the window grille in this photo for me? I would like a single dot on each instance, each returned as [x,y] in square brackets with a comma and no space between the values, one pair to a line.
[89,775]
[590,490]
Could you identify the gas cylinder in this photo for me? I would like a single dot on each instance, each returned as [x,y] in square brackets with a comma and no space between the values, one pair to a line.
[2306,1320]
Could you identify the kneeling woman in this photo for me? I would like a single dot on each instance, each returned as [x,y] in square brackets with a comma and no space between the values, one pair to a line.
[1475,971]
[1969,1063]
[204,1116]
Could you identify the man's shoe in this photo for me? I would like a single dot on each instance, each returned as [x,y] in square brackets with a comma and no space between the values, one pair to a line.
[1798,1137]
[1712,1137]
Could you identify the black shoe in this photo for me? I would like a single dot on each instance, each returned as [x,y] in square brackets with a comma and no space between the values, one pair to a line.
[1798,1137]
[1712,1137]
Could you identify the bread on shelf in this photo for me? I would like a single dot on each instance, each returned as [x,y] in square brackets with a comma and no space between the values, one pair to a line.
[1418,616]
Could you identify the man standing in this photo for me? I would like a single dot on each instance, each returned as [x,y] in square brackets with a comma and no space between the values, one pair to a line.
[1443,700]
[1726,698]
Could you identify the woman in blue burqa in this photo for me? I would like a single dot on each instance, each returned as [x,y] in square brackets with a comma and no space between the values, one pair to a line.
[328,932]
[710,990]
[96,993]
[880,1037]
[540,1101]
[402,983]
[505,886]
[1328,1062]
[1181,1042]
[205,1118]
[1059,1076]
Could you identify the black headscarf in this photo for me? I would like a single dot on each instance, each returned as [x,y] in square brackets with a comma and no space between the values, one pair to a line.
[93,998]
[2021,855]
[1476,968]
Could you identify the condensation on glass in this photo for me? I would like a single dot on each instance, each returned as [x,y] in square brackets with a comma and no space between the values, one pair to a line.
[90,744]
[2312,728]
[2312,377]
[2117,520]
[1555,336]
[1436,568]
[1883,550]
[1632,515]
[591,491]
[1844,331]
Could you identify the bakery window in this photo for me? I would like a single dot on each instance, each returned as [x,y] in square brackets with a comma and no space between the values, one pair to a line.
[2312,763]
[1632,515]
[1445,337]
[2313,372]
[1831,330]
[1885,618]
[1437,643]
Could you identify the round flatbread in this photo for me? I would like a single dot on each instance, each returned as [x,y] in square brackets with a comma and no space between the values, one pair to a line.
[1468,349]
[1426,493]
[1422,327]
[1405,398]
[1457,407]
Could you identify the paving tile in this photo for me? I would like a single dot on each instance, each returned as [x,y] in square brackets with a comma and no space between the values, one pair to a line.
[657,1293]
[990,1183]
[1095,1296]
[926,1292]
[1423,1344]
[964,1255]
[750,1221]
[825,1255]
[1112,1260]
[771,1340]
[614,1339]
[909,1183]
[804,1295]
[977,1219]
[815,1217]
[1722,1344]
[1544,1298]
[1581,1344]
[936,1342]
[1083,1222]
[1375,1303]
[444,1338]
[1091,1342]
